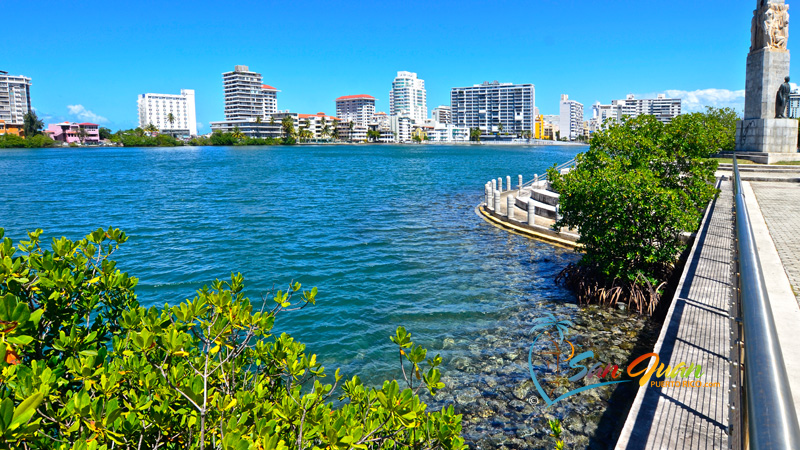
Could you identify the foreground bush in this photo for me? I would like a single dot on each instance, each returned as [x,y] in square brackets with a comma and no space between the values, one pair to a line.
[641,184]
[85,367]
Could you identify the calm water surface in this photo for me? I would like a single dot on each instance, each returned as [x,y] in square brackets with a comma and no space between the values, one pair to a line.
[387,233]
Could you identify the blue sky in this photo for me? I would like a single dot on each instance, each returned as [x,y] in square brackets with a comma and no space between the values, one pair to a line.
[89,59]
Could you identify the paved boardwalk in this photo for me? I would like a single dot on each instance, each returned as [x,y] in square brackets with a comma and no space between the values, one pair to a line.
[696,331]
[780,205]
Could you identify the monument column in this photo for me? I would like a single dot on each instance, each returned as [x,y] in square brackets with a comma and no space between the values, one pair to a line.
[765,131]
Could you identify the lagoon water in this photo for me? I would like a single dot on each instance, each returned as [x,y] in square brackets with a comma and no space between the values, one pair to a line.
[388,234]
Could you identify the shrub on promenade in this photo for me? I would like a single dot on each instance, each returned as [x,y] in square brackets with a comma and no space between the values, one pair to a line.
[83,366]
[631,195]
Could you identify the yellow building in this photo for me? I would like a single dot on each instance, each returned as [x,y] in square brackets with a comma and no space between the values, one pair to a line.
[11,129]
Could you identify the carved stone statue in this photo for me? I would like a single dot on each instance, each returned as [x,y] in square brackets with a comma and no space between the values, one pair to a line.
[782,102]
[770,26]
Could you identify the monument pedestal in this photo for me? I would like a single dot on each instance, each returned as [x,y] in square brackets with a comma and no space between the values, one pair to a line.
[767,140]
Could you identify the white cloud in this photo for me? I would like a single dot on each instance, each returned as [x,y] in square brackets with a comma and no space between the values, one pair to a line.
[84,114]
[693,101]
[199,125]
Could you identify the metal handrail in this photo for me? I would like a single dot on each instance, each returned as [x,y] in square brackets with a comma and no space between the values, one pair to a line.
[540,178]
[771,417]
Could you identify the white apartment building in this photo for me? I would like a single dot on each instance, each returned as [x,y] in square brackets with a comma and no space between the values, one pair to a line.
[402,127]
[246,97]
[356,108]
[156,109]
[663,108]
[408,97]
[15,98]
[448,133]
[571,118]
[442,114]
[249,104]
[491,106]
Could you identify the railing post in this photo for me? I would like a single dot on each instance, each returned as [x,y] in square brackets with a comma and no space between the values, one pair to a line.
[487,196]
[494,185]
[500,184]
[508,182]
[531,212]
[510,205]
[520,183]
[497,202]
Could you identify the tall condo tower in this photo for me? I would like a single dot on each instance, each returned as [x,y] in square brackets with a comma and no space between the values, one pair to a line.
[494,107]
[15,98]
[246,97]
[408,97]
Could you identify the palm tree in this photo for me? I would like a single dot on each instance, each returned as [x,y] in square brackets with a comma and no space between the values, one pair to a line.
[237,133]
[171,120]
[272,120]
[258,129]
[150,128]
[287,127]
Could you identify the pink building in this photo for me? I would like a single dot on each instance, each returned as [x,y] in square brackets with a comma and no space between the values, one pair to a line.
[69,132]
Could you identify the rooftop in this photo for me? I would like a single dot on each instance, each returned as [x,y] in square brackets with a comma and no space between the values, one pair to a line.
[353,97]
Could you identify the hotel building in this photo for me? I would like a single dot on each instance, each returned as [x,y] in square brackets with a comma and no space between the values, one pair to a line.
[156,109]
[489,105]
[571,118]
[356,108]
[15,102]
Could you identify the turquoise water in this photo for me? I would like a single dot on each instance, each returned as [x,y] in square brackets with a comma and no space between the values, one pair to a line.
[387,233]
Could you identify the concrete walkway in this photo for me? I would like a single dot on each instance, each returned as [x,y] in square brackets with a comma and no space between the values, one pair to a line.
[775,216]
[696,331]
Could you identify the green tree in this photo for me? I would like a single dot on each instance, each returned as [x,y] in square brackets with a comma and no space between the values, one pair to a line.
[641,184]
[84,366]
[31,124]
[150,128]
[171,120]
[287,127]
[82,133]
[373,135]
[475,134]
[237,133]
[105,133]
[258,128]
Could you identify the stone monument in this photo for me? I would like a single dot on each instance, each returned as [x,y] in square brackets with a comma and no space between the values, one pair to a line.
[765,130]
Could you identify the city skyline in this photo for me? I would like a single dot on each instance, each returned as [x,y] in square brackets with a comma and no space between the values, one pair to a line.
[694,58]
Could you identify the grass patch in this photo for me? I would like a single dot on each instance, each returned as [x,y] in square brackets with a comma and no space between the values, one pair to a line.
[730,161]
[788,163]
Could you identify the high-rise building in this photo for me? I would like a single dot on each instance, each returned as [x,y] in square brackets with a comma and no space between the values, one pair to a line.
[15,101]
[494,107]
[408,97]
[156,109]
[246,97]
[356,108]
[250,105]
[442,114]
[571,118]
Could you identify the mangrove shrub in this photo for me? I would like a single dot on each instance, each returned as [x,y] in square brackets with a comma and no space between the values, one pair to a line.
[84,367]
[630,196]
